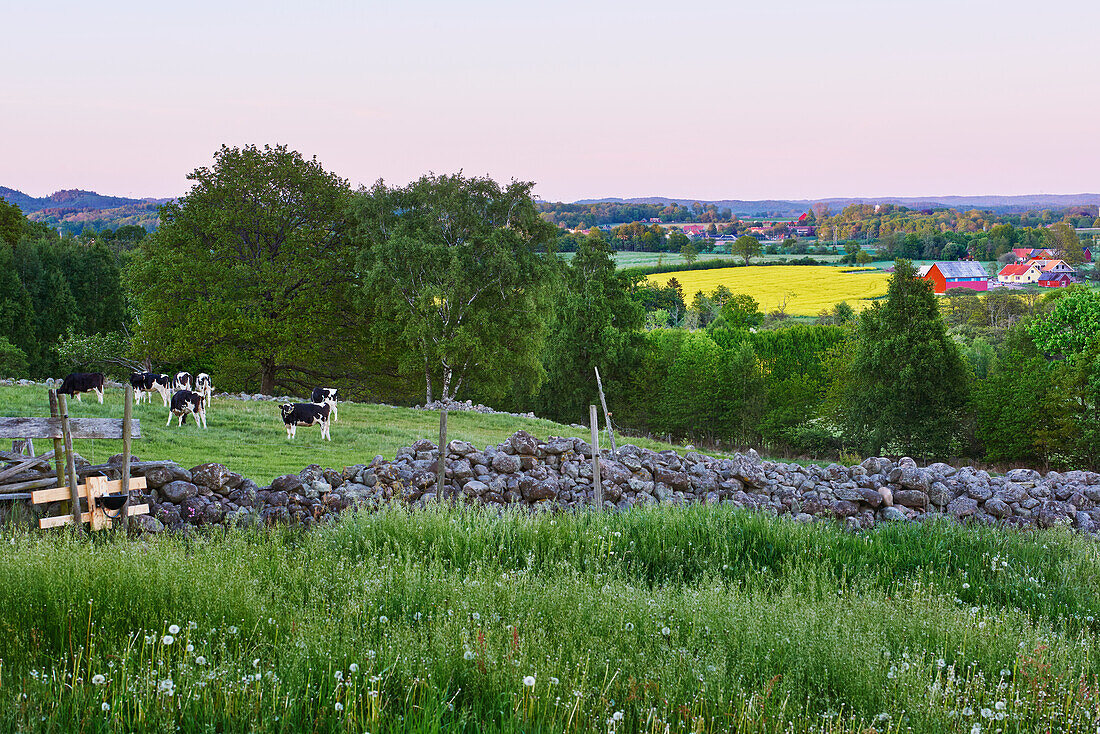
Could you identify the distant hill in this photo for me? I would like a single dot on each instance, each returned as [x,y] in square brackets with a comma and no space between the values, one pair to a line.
[75,209]
[794,207]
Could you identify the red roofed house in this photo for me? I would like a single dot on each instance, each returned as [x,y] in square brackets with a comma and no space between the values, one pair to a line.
[957,274]
[1020,273]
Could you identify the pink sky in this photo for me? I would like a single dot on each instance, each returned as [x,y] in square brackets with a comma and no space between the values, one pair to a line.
[698,99]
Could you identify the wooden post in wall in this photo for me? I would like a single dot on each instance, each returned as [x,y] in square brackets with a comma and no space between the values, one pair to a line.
[127,425]
[441,477]
[606,415]
[58,446]
[597,488]
[67,436]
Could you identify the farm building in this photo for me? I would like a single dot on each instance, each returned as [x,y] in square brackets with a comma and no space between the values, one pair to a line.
[1055,280]
[1020,273]
[957,274]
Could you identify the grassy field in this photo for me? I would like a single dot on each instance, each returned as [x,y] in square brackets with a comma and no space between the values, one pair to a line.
[808,289]
[699,619]
[249,437]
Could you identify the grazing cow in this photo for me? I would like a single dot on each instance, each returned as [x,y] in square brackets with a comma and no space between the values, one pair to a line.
[76,383]
[204,387]
[146,382]
[306,414]
[186,403]
[326,395]
[183,381]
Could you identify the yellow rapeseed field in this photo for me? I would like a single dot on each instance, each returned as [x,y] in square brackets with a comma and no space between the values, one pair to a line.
[808,288]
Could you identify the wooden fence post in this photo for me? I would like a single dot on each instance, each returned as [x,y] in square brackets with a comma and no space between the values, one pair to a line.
[606,415]
[58,446]
[127,421]
[597,488]
[74,494]
[441,477]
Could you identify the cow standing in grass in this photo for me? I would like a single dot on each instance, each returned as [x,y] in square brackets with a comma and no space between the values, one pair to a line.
[306,414]
[76,383]
[183,381]
[186,403]
[326,396]
[146,382]
[204,387]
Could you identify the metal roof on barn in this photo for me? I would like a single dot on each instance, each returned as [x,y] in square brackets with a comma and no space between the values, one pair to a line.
[962,269]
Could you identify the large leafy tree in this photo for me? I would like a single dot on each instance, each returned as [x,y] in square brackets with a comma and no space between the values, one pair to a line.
[597,323]
[905,384]
[455,272]
[250,272]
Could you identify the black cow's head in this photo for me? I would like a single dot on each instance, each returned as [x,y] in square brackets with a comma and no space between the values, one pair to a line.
[287,409]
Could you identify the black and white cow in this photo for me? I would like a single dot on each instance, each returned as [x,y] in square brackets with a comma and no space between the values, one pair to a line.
[327,396]
[146,382]
[76,383]
[186,403]
[183,381]
[204,387]
[306,414]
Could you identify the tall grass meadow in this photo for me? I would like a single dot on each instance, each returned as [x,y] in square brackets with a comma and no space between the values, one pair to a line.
[700,619]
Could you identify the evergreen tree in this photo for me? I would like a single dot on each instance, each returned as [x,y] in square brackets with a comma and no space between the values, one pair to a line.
[905,385]
[597,324]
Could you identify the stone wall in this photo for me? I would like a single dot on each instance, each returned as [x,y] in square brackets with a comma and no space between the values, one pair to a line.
[557,475]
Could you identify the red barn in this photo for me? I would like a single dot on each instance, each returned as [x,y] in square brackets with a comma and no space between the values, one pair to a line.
[956,274]
[1050,279]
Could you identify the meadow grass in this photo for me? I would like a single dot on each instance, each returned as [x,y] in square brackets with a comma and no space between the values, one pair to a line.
[701,619]
[808,289]
[249,438]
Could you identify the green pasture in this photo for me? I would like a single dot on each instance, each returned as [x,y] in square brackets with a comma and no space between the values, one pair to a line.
[249,438]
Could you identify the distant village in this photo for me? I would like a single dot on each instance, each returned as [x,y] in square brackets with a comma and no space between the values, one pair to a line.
[1031,267]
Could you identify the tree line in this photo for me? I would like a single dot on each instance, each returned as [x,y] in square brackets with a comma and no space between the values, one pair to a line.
[274,275]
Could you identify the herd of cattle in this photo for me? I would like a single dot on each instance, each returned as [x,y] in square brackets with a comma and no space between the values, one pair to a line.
[186,395]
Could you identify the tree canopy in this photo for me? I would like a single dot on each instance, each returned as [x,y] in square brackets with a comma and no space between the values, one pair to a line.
[452,272]
[249,273]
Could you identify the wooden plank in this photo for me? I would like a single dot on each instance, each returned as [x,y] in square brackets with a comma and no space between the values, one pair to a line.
[48,428]
[92,487]
[15,496]
[12,471]
[48,481]
[57,494]
[594,420]
[59,520]
[93,469]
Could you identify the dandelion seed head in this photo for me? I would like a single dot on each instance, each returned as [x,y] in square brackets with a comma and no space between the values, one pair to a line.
[174,629]
[98,679]
[529,681]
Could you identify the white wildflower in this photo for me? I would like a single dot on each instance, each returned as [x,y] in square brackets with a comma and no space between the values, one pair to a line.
[98,679]
[629,627]
[617,716]
[987,713]
[167,640]
[469,655]
[105,706]
[529,681]
[190,647]
[553,681]
[1000,705]
[666,631]
[354,667]
[339,675]
[476,617]
[338,706]
[200,660]
[383,619]
[174,629]
[232,630]
[966,585]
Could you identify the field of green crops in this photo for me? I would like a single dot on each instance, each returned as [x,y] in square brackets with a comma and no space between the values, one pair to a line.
[807,289]
[700,619]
